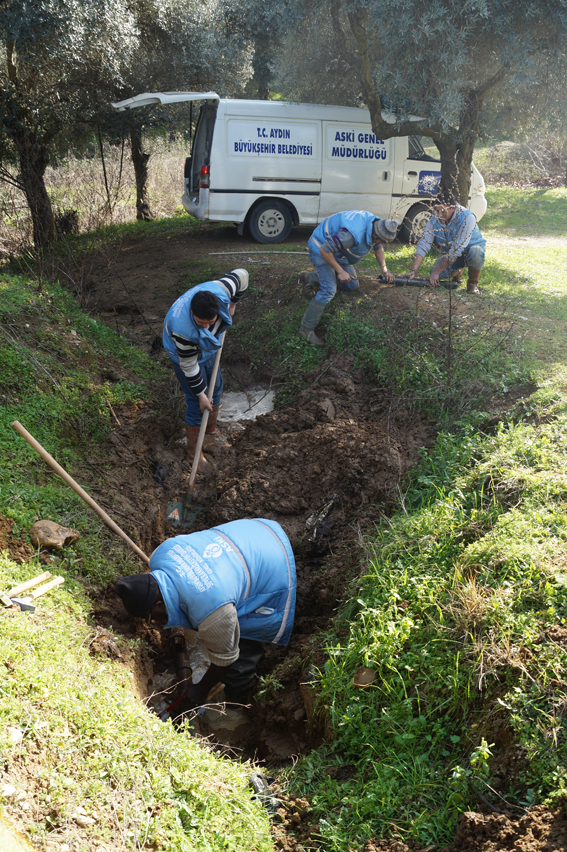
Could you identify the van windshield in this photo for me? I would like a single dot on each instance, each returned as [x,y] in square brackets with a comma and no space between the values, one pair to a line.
[423,148]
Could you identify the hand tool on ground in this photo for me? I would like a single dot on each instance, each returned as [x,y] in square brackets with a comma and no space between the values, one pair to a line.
[401,281]
[27,602]
[77,488]
[6,597]
[205,418]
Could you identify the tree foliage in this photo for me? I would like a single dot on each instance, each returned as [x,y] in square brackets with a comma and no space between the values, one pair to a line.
[52,54]
[443,60]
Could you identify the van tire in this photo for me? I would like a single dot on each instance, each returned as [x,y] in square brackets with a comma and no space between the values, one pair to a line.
[414,222]
[270,222]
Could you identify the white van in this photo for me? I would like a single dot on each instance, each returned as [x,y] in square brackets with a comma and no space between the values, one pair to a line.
[269,165]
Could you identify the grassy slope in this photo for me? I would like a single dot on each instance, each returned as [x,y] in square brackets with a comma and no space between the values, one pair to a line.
[463,599]
[88,740]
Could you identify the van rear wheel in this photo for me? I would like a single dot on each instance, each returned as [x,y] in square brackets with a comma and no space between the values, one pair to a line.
[270,222]
[414,222]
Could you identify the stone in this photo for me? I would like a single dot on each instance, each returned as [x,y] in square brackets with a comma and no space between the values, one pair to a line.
[50,534]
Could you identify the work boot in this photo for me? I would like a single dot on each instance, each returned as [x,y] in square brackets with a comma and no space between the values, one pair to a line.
[212,435]
[457,277]
[309,283]
[310,319]
[192,433]
[472,283]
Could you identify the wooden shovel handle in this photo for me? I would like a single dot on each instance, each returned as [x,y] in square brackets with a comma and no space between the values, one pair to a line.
[205,419]
[77,488]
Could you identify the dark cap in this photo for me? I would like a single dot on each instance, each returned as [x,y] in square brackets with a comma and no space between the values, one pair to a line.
[138,593]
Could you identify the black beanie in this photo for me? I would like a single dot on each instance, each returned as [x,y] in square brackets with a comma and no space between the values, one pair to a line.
[138,593]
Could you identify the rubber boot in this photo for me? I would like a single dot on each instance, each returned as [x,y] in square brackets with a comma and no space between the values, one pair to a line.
[472,283]
[192,433]
[212,435]
[309,283]
[310,319]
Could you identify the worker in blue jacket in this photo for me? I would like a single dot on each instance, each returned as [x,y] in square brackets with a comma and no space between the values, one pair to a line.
[454,232]
[191,336]
[335,246]
[234,584]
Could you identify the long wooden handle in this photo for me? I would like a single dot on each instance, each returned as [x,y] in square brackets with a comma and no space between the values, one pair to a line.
[29,584]
[205,419]
[77,488]
[47,587]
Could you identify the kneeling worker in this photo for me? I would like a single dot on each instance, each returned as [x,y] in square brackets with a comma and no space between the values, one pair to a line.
[453,229]
[334,247]
[234,584]
[192,328]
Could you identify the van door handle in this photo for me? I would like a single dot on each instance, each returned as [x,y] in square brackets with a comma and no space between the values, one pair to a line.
[412,174]
[385,175]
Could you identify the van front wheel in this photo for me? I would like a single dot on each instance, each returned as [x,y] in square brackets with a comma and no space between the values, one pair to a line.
[270,222]
[414,222]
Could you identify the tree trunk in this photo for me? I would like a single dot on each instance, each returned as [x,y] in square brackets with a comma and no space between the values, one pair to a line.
[140,161]
[33,160]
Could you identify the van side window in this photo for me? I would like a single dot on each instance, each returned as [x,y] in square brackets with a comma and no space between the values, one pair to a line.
[417,151]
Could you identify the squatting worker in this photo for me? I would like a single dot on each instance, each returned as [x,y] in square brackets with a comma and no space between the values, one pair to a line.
[234,584]
[453,229]
[335,246]
[192,328]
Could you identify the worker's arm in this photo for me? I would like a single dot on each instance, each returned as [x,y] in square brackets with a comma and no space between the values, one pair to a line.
[381,258]
[220,632]
[422,249]
[342,274]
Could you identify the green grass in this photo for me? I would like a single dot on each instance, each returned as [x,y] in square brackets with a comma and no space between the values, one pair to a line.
[90,739]
[141,780]
[525,212]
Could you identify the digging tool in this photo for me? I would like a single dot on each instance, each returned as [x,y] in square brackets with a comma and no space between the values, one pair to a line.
[400,281]
[77,488]
[27,602]
[205,418]
[7,597]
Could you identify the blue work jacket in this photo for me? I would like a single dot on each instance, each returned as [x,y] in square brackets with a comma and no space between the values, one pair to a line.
[179,320]
[248,563]
[445,235]
[358,222]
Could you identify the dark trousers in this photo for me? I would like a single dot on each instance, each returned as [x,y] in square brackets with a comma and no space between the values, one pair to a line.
[240,675]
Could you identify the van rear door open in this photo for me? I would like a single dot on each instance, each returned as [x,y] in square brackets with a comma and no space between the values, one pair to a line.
[357,170]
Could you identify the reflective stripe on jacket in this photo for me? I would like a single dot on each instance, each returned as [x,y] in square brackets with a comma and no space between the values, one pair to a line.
[248,563]
[179,320]
[357,222]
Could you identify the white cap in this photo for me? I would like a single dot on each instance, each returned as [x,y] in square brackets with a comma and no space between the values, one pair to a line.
[243,276]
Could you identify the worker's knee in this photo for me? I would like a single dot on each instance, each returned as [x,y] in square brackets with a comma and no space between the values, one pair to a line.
[475,257]
[327,284]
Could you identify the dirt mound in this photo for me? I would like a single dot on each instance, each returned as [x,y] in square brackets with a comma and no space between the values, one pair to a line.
[17,547]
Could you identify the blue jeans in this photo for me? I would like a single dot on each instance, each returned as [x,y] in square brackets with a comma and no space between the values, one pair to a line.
[328,277]
[193,415]
[472,257]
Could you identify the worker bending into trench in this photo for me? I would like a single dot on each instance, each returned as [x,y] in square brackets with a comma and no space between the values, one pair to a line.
[335,246]
[191,336]
[234,584]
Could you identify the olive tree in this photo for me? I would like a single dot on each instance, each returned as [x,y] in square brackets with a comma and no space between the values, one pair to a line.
[52,53]
[441,60]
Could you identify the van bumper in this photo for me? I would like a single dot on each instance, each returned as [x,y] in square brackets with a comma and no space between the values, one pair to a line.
[196,204]
[478,206]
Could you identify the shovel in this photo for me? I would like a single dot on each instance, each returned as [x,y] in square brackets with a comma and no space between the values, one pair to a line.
[205,418]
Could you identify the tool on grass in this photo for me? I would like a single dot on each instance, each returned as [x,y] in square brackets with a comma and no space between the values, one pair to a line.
[77,488]
[27,603]
[401,281]
[7,597]
[205,418]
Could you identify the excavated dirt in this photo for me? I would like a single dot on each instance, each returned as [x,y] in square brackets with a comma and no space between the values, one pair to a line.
[326,467]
